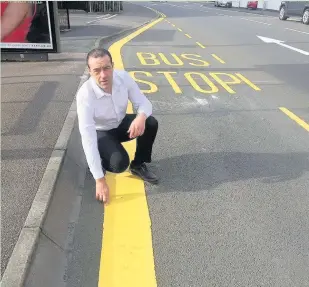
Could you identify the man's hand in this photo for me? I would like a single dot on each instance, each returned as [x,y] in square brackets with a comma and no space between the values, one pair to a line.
[137,127]
[102,190]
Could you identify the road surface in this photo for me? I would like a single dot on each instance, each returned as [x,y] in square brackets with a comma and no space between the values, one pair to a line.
[232,153]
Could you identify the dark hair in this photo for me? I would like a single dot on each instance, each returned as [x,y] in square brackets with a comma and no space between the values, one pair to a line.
[99,53]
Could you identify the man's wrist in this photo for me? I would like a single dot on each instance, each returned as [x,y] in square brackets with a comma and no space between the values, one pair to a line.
[142,115]
[100,180]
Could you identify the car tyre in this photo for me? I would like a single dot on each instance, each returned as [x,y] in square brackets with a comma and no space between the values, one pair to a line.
[282,13]
[305,17]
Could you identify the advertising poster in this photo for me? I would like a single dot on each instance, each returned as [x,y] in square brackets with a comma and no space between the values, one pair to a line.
[27,26]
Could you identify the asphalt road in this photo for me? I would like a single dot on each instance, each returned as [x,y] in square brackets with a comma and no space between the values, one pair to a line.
[35,99]
[232,205]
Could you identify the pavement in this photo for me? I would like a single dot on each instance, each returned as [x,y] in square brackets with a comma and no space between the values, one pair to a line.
[35,99]
[232,153]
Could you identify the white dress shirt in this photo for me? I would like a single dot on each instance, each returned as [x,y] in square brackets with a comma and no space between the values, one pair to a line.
[98,110]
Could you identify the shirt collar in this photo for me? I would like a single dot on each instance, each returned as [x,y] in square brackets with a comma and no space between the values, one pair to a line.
[99,92]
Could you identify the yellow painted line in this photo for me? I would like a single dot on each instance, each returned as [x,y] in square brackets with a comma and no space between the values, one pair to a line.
[198,43]
[156,11]
[171,81]
[173,25]
[218,58]
[295,118]
[179,30]
[127,254]
[188,36]
[249,83]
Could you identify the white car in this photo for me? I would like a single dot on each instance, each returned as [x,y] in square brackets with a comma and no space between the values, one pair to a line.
[223,3]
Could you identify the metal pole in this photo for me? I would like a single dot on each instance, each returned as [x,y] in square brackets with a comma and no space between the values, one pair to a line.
[57,26]
[68,17]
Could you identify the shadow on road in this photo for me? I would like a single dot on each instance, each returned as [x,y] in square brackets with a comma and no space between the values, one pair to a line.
[204,171]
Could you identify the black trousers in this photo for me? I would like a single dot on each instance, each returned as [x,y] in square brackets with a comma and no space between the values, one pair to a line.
[114,157]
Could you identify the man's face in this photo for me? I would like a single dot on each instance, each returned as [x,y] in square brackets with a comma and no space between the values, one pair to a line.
[101,69]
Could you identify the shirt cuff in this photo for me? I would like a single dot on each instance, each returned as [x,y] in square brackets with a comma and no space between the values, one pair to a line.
[98,174]
[144,112]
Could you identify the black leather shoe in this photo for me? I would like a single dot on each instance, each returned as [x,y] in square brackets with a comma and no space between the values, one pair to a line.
[143,172]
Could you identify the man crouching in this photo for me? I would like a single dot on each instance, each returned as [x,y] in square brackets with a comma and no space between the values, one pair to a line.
[104,124]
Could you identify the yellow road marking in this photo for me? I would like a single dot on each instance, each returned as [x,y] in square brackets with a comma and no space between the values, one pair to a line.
[156,11]
[218,58]
[127,254]
[295,118]
[200,45]
[225,84]
[188,36]
[195,85]
[179,30]
[173,25]
[171,81]
[153,87]
[249,83]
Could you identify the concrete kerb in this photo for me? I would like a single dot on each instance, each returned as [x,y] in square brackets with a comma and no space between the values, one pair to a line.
[20,261]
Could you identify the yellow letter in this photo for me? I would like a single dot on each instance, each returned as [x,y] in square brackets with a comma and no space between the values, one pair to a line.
[172,82]
[194,84]
[204,63]
[249,83]
[148,56]
[167,62]
[153,87]
[224,83]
